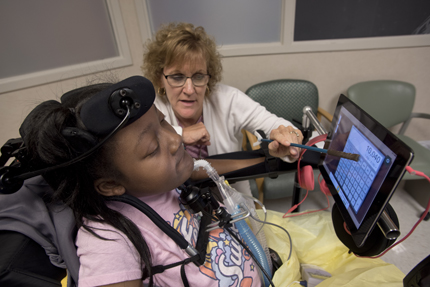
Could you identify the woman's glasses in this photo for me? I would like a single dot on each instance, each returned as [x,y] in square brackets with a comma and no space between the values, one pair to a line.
[178,80]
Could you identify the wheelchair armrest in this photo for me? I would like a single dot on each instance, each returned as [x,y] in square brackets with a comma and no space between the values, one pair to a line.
[259,170]
[412,116]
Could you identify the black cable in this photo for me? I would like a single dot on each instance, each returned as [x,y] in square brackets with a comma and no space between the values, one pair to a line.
[250,253]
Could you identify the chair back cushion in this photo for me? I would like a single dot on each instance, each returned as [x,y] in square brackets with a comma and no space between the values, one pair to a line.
[389,102]
[286,98]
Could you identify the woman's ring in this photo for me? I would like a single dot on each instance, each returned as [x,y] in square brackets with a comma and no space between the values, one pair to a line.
[294,132]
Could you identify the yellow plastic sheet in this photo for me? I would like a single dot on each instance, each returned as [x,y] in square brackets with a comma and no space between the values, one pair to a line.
[315,242]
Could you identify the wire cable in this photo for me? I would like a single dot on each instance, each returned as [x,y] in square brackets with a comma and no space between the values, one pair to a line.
[289,236]
[418,173]
[312,211]
[262,207]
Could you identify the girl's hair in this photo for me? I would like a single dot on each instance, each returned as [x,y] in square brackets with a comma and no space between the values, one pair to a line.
[180,43]
[74,184]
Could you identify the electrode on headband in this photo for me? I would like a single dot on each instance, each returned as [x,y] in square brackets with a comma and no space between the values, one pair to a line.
[105,110]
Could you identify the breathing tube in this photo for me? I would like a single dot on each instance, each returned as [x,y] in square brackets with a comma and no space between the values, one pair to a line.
[233,201]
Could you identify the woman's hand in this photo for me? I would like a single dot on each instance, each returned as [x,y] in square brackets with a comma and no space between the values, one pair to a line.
[282,137]
[196,135]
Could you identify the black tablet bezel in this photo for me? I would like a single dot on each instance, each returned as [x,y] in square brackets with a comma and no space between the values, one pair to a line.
[404,156]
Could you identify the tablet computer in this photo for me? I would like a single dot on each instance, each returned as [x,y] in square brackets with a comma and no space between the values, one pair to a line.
[361,189]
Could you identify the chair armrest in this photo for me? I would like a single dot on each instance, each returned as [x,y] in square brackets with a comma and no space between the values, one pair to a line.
[249,137]
[412,116]
[325,114]
[244,141]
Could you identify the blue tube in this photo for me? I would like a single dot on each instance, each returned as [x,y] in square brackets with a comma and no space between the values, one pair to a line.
[255,247]
[301,146]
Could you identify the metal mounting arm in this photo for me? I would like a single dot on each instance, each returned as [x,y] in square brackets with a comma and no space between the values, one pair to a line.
[309,117]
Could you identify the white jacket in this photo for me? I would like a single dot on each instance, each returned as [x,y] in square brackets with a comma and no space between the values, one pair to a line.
[225,113]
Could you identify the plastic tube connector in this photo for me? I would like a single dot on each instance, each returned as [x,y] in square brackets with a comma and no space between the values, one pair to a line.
[232,201]
[211,172]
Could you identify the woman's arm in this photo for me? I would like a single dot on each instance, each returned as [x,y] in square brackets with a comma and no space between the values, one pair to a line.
[196,135]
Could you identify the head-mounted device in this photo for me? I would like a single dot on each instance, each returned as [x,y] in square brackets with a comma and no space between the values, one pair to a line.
[103,115]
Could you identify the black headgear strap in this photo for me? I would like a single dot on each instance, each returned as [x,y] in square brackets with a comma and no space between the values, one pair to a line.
[104,114]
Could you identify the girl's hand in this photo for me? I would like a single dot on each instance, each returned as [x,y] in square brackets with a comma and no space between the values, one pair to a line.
[282,137]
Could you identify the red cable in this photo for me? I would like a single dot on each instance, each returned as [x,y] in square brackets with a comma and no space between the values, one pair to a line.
[309,143]
[418,173]
[312,211]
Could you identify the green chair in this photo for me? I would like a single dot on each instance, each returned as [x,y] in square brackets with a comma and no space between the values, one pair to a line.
[285,98]
[391,103]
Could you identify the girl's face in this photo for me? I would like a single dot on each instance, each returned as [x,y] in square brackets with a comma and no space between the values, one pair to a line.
[150,156]
[186,101]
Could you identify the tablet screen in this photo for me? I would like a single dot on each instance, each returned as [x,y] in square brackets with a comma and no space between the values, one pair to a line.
[361,189]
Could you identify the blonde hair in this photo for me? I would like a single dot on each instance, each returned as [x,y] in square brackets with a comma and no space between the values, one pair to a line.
[180,43]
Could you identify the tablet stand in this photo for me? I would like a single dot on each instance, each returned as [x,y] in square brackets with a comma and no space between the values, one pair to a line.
[377,241]
[388,227]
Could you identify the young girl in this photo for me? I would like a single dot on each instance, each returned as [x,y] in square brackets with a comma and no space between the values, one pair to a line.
[118,245]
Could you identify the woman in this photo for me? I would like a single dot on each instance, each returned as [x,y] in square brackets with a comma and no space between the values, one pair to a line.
[185,68]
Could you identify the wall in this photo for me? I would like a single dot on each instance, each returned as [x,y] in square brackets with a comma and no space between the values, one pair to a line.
[332,72]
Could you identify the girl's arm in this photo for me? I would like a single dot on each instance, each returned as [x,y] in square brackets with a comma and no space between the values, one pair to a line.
[225,165]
